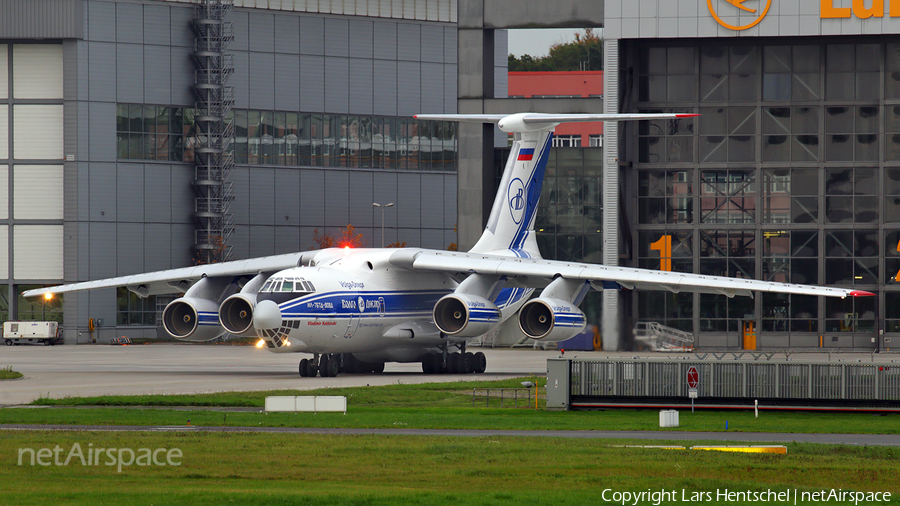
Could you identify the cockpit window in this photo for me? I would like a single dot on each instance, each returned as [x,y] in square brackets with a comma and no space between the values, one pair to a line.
[285,285]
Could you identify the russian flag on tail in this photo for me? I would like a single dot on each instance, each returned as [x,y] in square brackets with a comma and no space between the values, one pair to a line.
[525,155]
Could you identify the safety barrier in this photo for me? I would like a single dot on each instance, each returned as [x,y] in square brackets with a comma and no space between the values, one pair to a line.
[654,382]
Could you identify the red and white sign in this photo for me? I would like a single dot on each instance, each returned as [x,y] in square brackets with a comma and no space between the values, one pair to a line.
[693,377]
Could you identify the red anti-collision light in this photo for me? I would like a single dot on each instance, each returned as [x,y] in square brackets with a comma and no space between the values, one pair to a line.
[861,293]
[686,115]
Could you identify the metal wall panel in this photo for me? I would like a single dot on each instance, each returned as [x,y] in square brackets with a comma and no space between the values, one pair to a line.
[75,64]
[262,189]
[102,131]
[183,200]
[157,193]
[312,35]
[157,252]
[433,239]
[38,192]
[182,78]
[157,75]
[101,21]
[409,200]
[450,50]
[240,206]
[37,71]
[130,73]
[84,253]
[83,182]
[129,248]
[409,87]
[411,236]
[4,72]
[312,198]
[4,193]
[312,83]
[157,25]
[130,192]
[4,131]
[337,93]
[262,240]
[432,88]
[450,202]
[240,242]
[240,80]
[287,34]
[103,204]
[38,132]
[433,43]
[182,33]
[385,40]
[336,189]
[432,195]
[262,32]
[102,71]
[450,81]
[362,214]
[41,19]
[287,240]
[361,81]
[262,81]
[337,37]
[182,245]
[129,23]
[287,82]
[384,88]
[240,23]
[38,252]
[287,197]
[409,42]
[361,38]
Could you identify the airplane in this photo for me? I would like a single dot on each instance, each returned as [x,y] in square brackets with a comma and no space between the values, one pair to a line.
[355,309]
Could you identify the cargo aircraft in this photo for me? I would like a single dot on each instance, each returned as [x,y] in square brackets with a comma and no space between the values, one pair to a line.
[355,309]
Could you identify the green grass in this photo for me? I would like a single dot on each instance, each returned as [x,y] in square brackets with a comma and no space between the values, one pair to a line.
[266,469]
[7,373]
[426,406]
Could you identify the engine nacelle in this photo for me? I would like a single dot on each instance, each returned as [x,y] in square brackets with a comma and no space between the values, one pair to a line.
[192,319]
[551,319]
[236,314]
[465,315]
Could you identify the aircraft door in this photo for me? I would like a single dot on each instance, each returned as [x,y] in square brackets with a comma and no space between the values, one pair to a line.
[353,322]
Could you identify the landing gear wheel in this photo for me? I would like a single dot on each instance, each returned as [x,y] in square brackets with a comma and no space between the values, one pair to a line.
[334,366]
[453,363]
[304,368]
[480,363]
[468,362]
[437,363]
[427,364]
[378,367]
[9,342]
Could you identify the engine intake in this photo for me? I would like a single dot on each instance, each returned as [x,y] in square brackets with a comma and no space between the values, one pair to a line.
[192,319]
[465,315]
[551,319]
[236,314]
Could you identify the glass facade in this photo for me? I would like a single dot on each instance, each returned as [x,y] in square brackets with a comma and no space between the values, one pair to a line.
[790,174]
[148,132]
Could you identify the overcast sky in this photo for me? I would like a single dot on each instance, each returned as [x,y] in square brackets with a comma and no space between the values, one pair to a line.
[536,42]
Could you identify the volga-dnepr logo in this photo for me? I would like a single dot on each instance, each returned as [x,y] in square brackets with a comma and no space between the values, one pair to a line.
[732,7]
[516,196]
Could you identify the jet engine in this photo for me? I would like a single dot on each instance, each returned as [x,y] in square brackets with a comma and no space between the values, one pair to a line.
[464,315]
[236,312]
[192,319]
[550,319]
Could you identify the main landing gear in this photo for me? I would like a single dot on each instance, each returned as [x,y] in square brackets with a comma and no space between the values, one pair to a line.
[330,364]
[454,363]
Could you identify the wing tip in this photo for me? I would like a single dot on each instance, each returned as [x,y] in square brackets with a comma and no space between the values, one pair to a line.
[686,115]
[861,293]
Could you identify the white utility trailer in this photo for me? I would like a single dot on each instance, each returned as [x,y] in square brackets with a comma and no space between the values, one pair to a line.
[46,333]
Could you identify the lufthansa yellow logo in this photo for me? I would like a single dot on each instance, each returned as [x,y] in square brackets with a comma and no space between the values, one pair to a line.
[740,5]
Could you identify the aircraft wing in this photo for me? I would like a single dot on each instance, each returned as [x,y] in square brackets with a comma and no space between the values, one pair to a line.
[537,273]
[174,281]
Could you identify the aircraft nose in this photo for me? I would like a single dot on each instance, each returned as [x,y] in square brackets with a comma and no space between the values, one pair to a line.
[267,315]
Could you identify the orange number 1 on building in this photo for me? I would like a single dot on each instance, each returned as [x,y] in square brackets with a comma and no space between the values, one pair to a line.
[664,246]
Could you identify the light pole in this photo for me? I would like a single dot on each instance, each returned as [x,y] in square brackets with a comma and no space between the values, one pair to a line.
[376,204]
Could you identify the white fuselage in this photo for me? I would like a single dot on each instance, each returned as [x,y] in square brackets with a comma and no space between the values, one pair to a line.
[355,301]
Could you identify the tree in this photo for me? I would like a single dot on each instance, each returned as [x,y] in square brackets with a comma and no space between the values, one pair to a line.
[584,53]
[349,239]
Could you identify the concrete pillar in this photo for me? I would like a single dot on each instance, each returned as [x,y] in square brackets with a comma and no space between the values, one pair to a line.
[610,331]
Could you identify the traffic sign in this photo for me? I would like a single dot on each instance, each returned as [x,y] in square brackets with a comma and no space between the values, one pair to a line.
[693,377]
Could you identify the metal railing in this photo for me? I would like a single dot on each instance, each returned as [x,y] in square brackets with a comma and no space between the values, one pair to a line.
[487,396]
